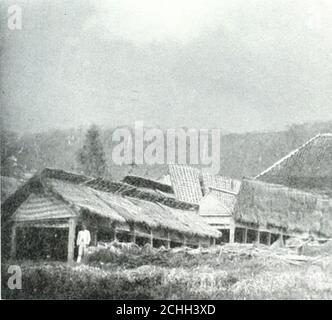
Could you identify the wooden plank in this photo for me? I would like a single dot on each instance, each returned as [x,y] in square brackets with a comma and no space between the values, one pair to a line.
[245,235]
[223,190]
[43,224]
[71,239]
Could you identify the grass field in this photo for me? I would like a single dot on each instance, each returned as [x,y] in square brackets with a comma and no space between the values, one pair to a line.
[173,274]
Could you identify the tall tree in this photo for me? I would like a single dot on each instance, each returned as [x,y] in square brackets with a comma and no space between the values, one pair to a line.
[91,156]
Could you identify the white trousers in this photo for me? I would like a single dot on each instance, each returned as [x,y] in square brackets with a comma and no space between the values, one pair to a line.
[81,252]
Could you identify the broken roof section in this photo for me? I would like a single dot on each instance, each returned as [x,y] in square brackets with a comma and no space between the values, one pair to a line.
[308,167]
[148,183]
[217,182]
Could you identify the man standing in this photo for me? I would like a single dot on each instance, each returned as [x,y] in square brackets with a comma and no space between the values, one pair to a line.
[83,240]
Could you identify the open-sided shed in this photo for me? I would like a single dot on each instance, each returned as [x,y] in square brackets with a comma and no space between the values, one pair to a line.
[59,199]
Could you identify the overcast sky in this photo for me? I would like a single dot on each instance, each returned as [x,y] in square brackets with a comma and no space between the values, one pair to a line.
[239,65]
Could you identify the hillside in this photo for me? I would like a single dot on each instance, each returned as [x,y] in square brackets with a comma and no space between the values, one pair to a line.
[241,154]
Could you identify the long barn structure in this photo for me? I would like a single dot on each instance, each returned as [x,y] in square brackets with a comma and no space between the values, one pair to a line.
[58,199]
[292,198]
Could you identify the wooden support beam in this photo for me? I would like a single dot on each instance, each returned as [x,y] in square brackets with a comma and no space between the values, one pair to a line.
[223,190]
[94,236]
[258,236]
[168,242]
[151,239]
[13,242]
[114,233]
[232,234]
[133,234]
[281,238]
[71,239]
[269,238]
[245,235]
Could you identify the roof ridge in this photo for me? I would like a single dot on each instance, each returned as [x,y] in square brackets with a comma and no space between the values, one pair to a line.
[292,153]
[288,188]
[63,175]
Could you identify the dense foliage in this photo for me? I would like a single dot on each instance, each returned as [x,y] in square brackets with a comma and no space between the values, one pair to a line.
[241,154]
[91,156]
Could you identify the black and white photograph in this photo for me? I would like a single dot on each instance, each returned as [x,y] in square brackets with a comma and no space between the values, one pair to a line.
[167,150]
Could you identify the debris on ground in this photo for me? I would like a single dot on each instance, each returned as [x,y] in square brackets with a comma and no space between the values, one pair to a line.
[287,254]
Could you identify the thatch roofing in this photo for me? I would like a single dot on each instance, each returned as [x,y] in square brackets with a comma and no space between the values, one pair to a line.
[308,167]
[81,197]
[42,207]
[140,193]
[119,202]
[147,183]
[271,205]
[131,212]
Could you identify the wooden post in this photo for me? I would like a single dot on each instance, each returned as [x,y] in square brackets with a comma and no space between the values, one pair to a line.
[258,234]
[133,234]
[168,243]
[184,241]
[151,238]
[71,239]
[232,234]
[281,238]
[94,237]
[269,238]
[13,242]
[114,232]
[245,235]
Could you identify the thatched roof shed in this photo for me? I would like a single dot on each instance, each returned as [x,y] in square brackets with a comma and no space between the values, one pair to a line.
[58,194]
[308,167]
[271,205]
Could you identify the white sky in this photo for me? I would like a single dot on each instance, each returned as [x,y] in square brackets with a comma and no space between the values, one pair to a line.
[154,20]
[240,65]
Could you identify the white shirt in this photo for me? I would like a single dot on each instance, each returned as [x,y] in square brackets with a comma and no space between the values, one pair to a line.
[83,238]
